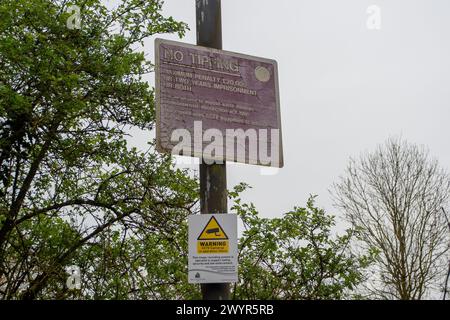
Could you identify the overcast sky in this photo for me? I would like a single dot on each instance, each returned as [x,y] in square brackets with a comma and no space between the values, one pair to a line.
[343,88]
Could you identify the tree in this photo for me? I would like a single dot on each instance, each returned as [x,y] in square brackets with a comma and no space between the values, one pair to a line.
[295,256]
[70,185]
[394,197]
[447,277]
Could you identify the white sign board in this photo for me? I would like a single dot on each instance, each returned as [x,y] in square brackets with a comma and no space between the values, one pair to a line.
[213,254]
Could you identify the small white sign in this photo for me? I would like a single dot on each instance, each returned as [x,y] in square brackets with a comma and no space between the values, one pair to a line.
[213,253]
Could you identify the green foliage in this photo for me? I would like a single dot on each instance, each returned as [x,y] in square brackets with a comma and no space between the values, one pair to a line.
[68,178]
[296,256]
[293,257]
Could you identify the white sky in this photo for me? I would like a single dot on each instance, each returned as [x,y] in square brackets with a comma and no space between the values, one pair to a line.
[344,88]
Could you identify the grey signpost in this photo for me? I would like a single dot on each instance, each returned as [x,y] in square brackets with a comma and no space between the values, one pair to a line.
[213,177]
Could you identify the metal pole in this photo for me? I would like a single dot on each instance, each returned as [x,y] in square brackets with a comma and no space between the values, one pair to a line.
[213,178]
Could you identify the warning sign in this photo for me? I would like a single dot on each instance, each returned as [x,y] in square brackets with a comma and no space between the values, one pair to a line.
[213,231]
[212,248]
[212,239]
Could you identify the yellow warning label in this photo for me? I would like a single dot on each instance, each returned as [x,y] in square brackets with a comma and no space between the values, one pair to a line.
[209,246]
[213,238]
[212,231]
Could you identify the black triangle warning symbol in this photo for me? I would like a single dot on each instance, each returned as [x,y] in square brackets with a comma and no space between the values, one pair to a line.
[213,231]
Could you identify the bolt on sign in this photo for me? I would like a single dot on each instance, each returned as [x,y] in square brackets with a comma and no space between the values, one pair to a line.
[213,248]
[217,105]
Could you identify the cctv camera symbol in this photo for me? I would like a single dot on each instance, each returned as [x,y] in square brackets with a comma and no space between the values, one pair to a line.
[214,230]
